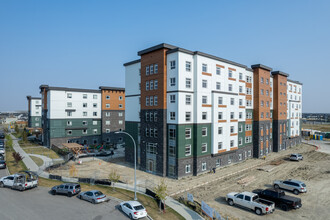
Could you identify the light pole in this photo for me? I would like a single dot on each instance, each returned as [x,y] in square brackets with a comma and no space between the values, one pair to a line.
[118,132]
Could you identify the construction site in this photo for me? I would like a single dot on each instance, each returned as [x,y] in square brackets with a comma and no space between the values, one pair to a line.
[248,175]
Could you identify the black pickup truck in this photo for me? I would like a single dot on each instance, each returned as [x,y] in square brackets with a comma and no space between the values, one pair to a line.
[279,198]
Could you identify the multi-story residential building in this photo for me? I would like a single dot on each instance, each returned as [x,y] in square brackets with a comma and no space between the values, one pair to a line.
[113,114]
[34,112]
[190,112]
[75,115]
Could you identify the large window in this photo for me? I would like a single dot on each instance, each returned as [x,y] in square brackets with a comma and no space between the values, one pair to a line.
[172,98]
[188,116]
[203,166]
[220,100]
[188,150]
[204,147]
[218,72]
[188,83]
[172,115]
[188,66]
[204,99]
[204,67]
[172,81]
[204,83]
[204,132]
[204,115]
[219,130]
[188,99]
[219,145]
[172,134]
[188,133]
[218,86]
[220,116]
[172,64]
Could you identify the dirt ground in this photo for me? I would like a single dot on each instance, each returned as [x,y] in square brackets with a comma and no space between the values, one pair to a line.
[252,174]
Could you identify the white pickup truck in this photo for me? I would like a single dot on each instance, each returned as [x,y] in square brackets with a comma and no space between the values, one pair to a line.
[250,201]
[20,181]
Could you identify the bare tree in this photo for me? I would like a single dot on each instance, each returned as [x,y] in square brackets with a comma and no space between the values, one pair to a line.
[161,193]
[114,177]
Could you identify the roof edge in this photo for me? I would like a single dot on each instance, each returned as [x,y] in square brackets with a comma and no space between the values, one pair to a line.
[280,73]
[157,47]
[132,62]
[261,66]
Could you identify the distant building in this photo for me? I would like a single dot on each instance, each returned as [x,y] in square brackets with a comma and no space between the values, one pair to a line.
[34,112]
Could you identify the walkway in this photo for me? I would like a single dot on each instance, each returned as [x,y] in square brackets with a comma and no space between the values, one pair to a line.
[323,146]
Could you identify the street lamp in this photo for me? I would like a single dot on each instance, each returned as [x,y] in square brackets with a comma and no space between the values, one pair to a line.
[118,132]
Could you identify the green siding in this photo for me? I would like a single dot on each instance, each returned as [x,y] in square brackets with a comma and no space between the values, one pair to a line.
[181,140]
[58,127]
[242,133]
[198,139]
[34,120]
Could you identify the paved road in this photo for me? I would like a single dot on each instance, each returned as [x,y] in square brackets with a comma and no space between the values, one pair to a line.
[324,146]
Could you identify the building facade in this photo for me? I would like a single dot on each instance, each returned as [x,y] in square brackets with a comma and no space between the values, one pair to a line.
[73,115]
[34,112]
[190,112]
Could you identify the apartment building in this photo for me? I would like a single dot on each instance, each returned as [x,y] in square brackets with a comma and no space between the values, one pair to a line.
[34,112]
[75,115]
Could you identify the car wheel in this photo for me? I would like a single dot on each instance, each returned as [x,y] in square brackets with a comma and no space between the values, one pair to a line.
[230,202]
[258,211]
[296,192]
[130,216]
[79,197]
[1,184]
[276,186]
[93,201]
[69,194]
[284,207]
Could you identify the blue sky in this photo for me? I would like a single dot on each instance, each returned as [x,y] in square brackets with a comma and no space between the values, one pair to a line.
[83,44]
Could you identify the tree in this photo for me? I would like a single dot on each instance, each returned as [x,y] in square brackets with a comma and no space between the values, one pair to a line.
[24,136]
[17,157]
[114,178]
[16,129]
[161,193]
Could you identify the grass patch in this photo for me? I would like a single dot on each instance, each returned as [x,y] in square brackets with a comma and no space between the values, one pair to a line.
[13,167]
[42,151]
[17,135]
[320,127]
[150,204]
[37,160]
[26,144]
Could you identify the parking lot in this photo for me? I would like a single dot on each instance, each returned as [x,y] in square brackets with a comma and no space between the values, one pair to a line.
[38,203]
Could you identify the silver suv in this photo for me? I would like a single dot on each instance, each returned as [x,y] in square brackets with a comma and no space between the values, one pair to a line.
[68,189]
[296,157]
[295,186]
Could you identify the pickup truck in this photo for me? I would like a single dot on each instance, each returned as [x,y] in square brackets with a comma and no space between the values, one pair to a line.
[250,201]
[280,199]
[20,181]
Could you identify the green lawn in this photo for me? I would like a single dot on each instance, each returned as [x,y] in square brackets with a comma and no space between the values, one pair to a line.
[37,160]
[41,151]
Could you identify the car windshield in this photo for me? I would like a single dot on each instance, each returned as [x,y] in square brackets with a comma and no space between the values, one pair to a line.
[304,185]
[138,207]
[98,193]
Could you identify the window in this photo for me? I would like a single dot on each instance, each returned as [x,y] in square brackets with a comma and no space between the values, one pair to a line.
[267,114]
[147,85]
[218,162]
[120,114]
[172,98]
[204,67]
[94,122]
[172,134]
[147,70]
[94,105]
[262,115]
[172,115]
[151,85]
[151,69]
[107,131]
[94,96]
[107,114]
[204,147]
[204,115]
[248,103]
[147,100]
[84,113]
[240,88]
[107,122]
[69,104]
[267,81]
[188,99]
[240,115]
[69,123]
[94,131]
[230,87]
[204,99]
[248,91]
[204,132]
[69,113]
[155,100]
[232,129]
[261,80]
[156,68]
[188,168]
[84,96]
[84,123]
[267,93]
[188,116]
[94,113]
[155,84]
[262,103]
[107,105]
[204,83]
[219,115]
[218,72]
[69,132]
[172,81]
[155,116]
[188,133]
[220,101]
[188,150]
[219,145]
[240,128]
[232,101]
[232,143]
[151,116]
[68,95]
[240,76]
[232,115]
[172,64]
[218,86]
[219,130]
[230,73]
[240,102]
[240,141]
[267,103]
[188,83]
[84,131]
[151,99]
[262,91]
[188,66]
[203,166]
[120,98]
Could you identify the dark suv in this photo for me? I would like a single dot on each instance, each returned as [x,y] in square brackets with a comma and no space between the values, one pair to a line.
[68,189]
[281,200]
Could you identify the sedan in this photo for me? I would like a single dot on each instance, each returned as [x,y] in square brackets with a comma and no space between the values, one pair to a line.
[2,164]
[93,196]
[133,209]
[2,151]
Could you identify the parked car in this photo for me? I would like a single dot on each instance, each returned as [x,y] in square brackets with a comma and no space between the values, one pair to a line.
[2,157]
[296,157]
[68,189]
[21,181]
[133,209]
[250,201]
[93,196]
[2,164]
[2,136]
[2,150]
[295,186]
[2,144]
[281,200]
